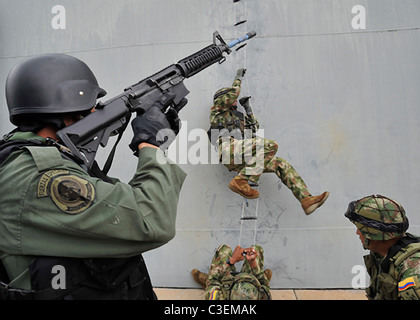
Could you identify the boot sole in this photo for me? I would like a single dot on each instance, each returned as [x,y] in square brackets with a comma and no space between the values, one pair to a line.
[315,206]
[242,194]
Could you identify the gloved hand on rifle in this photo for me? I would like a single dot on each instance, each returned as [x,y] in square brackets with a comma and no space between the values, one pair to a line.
[156,127]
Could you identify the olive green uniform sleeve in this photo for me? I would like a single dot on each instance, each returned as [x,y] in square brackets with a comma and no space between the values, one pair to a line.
[62,211]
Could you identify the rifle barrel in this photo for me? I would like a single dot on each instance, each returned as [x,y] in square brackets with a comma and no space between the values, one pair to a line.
[249,35]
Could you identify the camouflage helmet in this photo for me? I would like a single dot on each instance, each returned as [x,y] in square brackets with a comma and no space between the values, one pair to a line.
[378,217]
[245,287]
[229,94]
[222,92]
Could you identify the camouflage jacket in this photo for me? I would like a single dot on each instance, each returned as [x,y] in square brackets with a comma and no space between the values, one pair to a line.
[397,276]
[224,113]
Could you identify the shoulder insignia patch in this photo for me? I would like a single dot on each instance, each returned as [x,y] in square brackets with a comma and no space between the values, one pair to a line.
[213,295]
[70,193]
[407,283]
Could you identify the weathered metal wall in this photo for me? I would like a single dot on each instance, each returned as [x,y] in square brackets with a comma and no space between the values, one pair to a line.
[343,105]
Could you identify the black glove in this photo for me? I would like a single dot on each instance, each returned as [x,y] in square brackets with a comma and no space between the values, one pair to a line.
[147,127]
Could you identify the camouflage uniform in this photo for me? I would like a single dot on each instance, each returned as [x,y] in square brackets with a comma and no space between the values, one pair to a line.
[236,150]
[249,284]
[397,275]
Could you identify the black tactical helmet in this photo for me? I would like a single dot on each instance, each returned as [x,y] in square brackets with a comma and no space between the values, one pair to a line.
[50,84]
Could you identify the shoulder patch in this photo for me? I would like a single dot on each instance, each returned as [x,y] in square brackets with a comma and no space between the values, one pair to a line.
[70,193]
[43,183]
[408,283]
[213,295]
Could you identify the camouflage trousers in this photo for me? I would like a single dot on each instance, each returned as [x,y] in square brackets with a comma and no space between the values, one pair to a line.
[252,157]
[223,253]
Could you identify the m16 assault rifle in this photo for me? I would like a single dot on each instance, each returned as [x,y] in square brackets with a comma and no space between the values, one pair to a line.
[84,137]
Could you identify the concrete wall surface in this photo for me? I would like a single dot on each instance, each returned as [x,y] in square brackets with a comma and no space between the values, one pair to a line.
[340,98]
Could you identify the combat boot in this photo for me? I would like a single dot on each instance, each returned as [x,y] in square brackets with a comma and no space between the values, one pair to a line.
[242,187]
[199,277]
[310,204]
